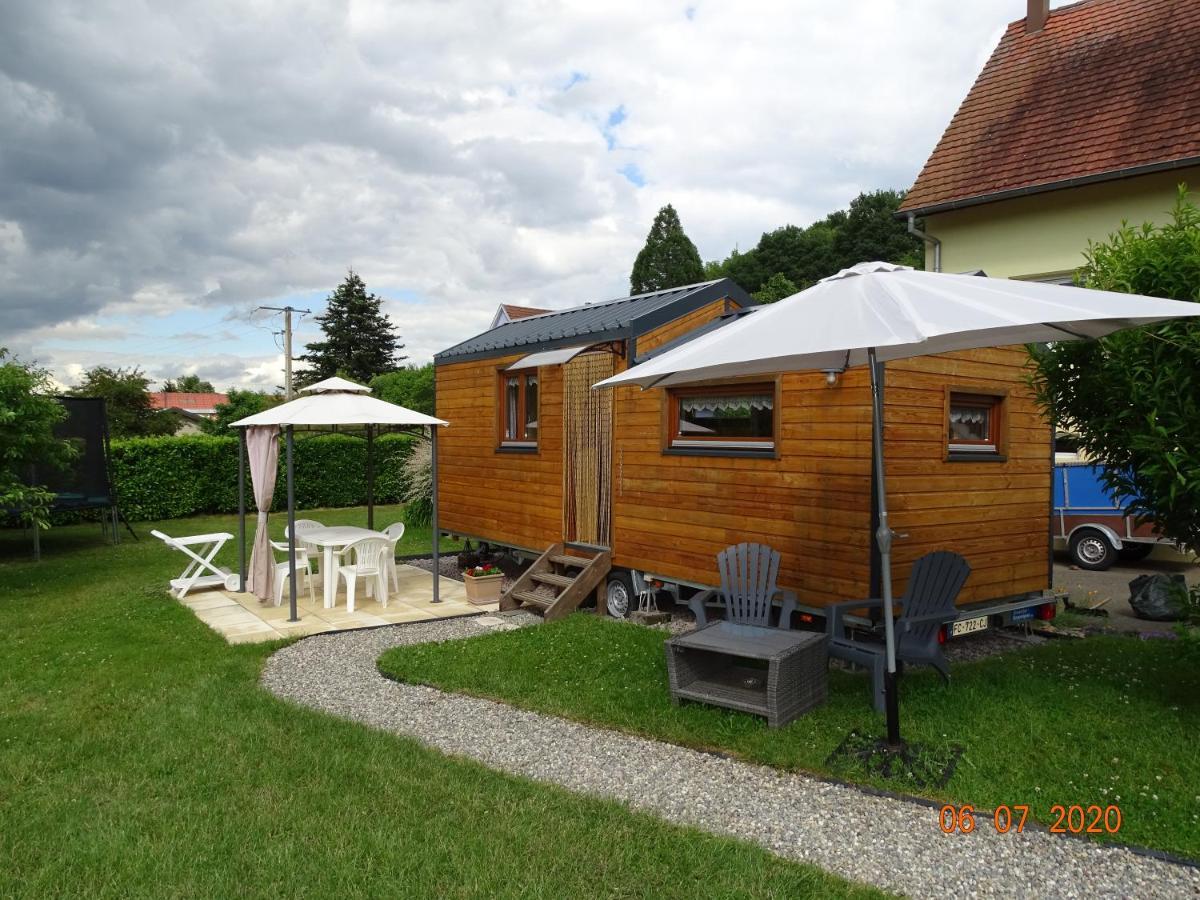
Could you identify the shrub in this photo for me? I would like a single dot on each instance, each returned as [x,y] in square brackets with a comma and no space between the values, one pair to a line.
[418,489]
[171,477]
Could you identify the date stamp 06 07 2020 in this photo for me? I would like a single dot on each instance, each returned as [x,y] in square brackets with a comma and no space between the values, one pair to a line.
[1067,819]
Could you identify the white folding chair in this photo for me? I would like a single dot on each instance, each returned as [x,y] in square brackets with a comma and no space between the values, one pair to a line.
[207,547]
[394,533]
[282,570]
[368,560]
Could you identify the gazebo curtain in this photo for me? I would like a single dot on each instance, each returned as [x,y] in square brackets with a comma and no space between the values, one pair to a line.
[262,445]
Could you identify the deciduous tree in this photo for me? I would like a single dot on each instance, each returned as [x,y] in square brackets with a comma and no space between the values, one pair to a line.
[411,386]
[126,401]
[188,384]
[240,405]
[28,414]
[1134,397]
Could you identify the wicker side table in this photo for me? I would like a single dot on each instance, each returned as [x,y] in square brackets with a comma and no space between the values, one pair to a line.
[714,665]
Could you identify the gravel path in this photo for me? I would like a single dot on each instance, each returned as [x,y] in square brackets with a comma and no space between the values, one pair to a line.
[894,844]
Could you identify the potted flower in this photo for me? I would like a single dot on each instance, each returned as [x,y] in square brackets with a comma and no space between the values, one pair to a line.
[484,583]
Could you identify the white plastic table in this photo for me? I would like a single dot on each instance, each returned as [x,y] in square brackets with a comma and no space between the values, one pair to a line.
[332,540]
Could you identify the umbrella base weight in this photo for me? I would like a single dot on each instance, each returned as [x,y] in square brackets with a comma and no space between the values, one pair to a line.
[913,765]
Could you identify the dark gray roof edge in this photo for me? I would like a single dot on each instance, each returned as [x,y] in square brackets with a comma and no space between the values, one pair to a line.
[694,297]
[687,337]
[932,209]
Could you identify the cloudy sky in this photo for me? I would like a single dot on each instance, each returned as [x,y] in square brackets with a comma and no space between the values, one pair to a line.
[165,168]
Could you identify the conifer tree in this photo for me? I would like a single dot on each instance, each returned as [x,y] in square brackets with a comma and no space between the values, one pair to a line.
[669,258]
[360,341]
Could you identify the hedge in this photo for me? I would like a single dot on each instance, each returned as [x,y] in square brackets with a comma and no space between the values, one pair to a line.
[171,477]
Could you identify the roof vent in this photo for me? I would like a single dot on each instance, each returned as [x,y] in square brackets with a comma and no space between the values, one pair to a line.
[1037,11]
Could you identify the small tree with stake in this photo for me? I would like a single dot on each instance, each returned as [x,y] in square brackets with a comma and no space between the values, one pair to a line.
[1134,397]
[360,340]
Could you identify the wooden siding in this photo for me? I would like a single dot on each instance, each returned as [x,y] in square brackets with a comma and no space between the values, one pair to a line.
[996,514]
[812,501]
[512,498]
[677,328]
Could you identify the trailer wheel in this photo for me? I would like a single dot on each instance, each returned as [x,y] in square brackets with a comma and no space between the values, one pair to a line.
[1135,552]
[618,595]
[1090,549]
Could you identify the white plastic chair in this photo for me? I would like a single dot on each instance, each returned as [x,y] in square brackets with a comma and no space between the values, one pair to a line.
[394,533]
[369,561]
[303,525]
[282,571]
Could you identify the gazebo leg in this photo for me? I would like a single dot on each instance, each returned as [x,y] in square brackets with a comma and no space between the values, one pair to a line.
[291,501]
[437,568]
[241,509]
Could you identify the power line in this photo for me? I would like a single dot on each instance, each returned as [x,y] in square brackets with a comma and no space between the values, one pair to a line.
[287,343]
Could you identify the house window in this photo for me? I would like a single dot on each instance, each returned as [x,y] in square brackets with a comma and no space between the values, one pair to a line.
[974,423]
[519,409]
[723,418]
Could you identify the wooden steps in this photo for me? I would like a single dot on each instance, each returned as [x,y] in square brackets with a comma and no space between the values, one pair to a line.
[571,578]
[551,578]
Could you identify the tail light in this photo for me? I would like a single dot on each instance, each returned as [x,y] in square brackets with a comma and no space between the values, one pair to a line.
[942,635]
[807,618]
[1047,611]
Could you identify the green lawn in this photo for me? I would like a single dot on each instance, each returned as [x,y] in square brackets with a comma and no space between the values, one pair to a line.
[1104,721]
[139,756]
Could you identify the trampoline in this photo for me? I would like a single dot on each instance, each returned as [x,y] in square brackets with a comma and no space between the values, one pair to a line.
[86,483]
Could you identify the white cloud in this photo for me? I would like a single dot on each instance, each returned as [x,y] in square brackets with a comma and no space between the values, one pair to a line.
[214,156]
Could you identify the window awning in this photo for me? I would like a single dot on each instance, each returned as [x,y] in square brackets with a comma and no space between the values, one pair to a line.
[547,358]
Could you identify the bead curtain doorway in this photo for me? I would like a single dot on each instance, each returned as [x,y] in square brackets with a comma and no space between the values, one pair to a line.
[587,450]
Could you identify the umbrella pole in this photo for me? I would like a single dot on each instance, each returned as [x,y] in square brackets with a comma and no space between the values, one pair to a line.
[291,500]
[241,509]
[437,568]
[883,538]
[370,478]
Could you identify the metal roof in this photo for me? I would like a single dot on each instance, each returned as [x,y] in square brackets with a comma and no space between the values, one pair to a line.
[595,322]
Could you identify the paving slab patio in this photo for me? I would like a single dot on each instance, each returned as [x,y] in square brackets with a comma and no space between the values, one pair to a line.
[240,618]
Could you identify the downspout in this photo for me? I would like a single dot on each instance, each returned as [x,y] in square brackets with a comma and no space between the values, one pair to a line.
[927,238]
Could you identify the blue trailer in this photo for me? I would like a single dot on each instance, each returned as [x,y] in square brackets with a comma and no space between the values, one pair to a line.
[1095,529]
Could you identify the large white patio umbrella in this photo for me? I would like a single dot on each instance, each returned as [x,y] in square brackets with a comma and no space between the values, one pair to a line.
[876,311]
[330,404]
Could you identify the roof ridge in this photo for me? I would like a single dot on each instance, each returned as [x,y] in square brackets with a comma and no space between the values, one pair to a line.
[600,303]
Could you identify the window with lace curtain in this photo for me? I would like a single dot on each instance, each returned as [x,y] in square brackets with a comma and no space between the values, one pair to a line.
[974,423]
[519,409]
[738,417]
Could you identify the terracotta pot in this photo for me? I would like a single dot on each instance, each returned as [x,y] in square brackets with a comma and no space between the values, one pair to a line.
[484,588]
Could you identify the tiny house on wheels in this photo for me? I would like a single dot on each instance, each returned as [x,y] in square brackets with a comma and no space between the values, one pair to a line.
[614,492]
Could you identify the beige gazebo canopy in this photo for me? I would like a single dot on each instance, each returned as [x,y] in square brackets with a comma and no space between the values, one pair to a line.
[332,404]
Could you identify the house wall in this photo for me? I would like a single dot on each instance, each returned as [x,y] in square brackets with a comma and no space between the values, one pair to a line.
[509,497]
[1045,235]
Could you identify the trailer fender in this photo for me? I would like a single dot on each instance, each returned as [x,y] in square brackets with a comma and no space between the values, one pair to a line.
[1103,529]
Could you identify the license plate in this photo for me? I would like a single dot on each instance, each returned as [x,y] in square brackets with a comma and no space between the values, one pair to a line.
[968,626]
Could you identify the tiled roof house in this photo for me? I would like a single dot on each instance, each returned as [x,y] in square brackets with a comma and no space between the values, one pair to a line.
[1083,116]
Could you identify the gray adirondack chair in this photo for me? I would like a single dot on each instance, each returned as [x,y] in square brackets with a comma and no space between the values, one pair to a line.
[748,587]
[927,604]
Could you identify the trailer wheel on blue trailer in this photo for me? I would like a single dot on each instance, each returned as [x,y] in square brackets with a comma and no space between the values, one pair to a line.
[1096,530]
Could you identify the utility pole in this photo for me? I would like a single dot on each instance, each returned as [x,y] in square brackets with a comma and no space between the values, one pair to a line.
[287,344]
